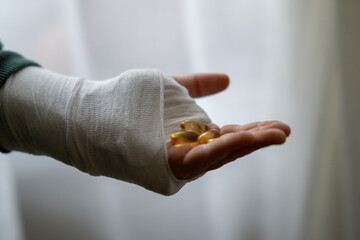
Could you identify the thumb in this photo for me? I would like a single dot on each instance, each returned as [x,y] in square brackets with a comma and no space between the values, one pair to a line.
[200,85]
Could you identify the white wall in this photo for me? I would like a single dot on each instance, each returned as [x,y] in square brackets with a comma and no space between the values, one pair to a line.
[287,61]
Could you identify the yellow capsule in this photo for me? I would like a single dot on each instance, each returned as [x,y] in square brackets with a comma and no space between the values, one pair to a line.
[208,136]
[194,126]
[184,137]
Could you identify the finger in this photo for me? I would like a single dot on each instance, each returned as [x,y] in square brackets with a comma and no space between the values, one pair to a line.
[272,125]
[200,158]
[235,128]
[268,137]
[246,127]
[200,85]
[256,126]
[214,126]
[263,138]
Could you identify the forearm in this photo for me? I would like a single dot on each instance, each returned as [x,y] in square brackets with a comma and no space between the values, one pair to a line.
[34,116]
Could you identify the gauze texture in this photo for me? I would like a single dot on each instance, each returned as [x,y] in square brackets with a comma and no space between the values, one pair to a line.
[118,127]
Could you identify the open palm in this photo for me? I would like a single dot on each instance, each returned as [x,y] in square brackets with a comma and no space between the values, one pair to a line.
[191,160]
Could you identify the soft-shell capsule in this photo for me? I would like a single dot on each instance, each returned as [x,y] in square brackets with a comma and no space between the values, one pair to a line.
[184,137]
[194,126]
[208,136]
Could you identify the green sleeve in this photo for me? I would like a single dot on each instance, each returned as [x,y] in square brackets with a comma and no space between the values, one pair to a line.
[11,62]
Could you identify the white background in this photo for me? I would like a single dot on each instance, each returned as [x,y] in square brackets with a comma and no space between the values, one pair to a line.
[294,61]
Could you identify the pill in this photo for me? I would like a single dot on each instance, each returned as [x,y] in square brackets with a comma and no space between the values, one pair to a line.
[194,126]
[184,137]
[208,136]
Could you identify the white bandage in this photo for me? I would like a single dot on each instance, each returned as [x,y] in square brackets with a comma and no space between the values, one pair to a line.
[117,127]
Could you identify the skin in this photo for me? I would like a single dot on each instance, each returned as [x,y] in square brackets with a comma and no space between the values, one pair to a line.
[188,161]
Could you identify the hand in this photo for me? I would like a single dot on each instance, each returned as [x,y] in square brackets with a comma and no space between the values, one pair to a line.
[191,160]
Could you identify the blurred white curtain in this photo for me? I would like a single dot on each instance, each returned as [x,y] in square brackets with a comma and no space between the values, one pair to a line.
[296,61]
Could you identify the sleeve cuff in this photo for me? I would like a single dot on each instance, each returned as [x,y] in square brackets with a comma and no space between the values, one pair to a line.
[4,150]
[11,62]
